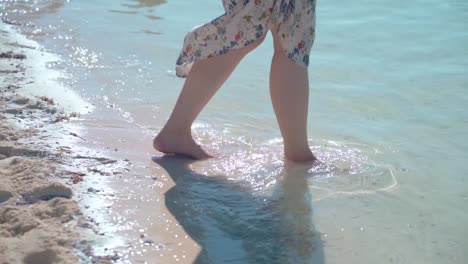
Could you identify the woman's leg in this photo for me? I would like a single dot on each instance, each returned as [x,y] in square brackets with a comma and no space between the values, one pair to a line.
[203,81]
[289,89]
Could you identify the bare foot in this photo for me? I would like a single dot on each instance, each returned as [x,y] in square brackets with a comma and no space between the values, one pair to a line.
[177,143]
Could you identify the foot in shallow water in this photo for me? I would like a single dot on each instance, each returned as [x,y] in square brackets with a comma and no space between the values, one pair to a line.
[304,157]
[179,143]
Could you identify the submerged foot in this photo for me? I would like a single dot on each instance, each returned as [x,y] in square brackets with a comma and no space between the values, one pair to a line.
[175,143]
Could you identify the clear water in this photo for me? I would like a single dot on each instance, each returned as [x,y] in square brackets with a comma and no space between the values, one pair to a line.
[387,114]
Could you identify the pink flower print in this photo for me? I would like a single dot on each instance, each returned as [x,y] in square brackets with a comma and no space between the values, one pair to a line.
[301,45]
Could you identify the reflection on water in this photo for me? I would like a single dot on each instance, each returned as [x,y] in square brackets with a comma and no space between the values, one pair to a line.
[123,12]
[295,210]
[153,17]
[145,3]
[141,4]
[234,223]
[151,32]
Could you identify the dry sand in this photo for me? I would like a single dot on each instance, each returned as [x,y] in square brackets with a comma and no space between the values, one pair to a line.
[34,207]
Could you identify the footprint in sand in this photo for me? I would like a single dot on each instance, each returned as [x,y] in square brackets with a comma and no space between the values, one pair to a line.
[47,191]
[5,196]
[47,256]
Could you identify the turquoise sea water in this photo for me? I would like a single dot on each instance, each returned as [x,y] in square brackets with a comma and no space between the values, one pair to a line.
[387,108]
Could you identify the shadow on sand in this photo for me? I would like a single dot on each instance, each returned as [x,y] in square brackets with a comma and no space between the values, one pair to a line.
[235,224]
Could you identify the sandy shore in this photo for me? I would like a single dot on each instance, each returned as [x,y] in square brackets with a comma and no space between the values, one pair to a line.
[35,209]
[63,197]
[40,218]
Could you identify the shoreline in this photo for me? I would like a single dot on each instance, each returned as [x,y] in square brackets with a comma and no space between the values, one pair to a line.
[42,217]
[84,164]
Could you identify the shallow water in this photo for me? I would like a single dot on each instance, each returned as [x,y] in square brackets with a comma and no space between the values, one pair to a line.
[387,116]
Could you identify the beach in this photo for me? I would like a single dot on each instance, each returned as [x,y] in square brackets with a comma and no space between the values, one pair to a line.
[40,217]
[51,210]
[85,86]
[35,207]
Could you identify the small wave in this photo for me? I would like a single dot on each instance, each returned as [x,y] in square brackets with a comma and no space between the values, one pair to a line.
[42,80]
[346,168]
[349,169]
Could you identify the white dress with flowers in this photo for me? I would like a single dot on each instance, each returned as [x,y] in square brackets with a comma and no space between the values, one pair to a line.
[246,21]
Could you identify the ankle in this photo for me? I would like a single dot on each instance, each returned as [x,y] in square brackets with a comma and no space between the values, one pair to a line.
[301,159]
[171,129]
[303,156]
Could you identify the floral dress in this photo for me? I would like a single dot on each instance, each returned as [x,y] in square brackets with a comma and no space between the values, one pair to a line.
[246,21]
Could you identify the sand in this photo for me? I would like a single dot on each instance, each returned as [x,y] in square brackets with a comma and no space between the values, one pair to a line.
[34,208]
[40,218]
